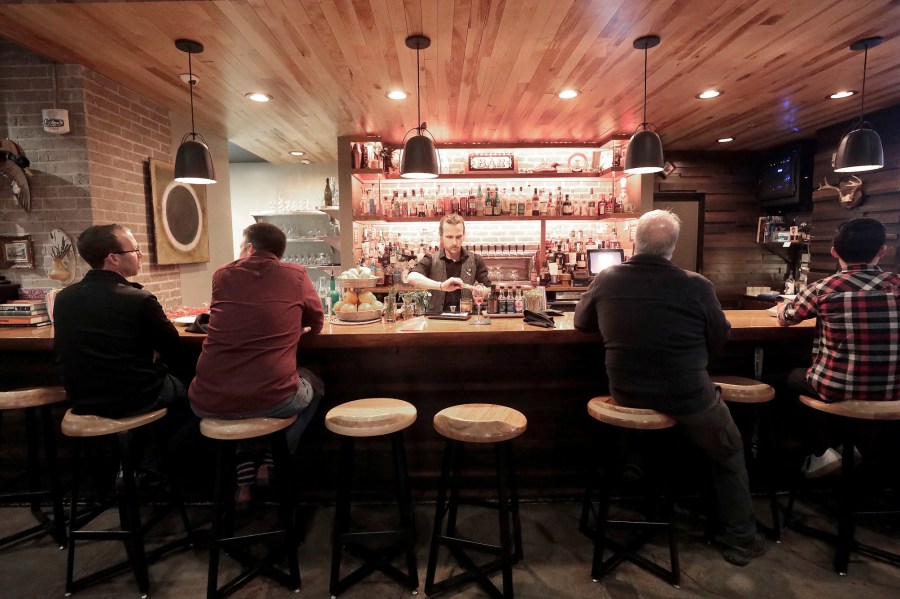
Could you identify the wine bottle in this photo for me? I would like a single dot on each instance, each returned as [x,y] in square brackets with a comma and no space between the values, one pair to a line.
[328,197]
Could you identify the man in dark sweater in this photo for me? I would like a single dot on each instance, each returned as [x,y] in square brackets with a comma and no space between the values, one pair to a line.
[659,323]
[109,333]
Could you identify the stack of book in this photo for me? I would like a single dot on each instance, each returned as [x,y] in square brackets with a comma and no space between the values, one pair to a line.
[24,313]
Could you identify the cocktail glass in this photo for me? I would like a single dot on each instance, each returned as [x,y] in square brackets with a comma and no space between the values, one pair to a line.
[478,294]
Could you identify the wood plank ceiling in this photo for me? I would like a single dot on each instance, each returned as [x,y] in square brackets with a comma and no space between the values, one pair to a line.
[494,68]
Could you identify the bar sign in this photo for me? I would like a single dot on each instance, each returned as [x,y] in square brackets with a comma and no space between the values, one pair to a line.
[492,162]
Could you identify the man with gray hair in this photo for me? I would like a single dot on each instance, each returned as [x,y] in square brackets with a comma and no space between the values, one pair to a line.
[659,323]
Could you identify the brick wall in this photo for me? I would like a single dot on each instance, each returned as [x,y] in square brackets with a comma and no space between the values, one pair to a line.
[97,173]
[60,190]
[125,130]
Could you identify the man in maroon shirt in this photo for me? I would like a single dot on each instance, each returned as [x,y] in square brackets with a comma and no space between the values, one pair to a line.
[248,366]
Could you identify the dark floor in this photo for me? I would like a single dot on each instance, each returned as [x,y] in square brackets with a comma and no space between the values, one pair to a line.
[556,565]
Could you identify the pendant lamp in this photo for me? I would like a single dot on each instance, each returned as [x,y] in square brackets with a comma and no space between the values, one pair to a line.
[193,162]
[420,159]
[645,153]
[860,149]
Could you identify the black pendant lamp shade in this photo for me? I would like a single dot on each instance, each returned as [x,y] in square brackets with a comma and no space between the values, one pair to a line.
[645,152]
[193,162]
[420,159]
[860,149]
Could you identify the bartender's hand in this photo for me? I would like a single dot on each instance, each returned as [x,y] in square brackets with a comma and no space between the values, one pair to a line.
[452,284]
[305,330]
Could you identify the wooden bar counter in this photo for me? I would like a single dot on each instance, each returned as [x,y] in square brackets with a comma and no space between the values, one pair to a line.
[548,374]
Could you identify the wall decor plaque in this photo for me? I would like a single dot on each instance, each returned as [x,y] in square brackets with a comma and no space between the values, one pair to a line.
[181,232]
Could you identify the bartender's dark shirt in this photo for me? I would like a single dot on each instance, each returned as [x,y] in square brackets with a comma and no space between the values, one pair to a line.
[659,323]
[249,359]
[105,332]
[454,269]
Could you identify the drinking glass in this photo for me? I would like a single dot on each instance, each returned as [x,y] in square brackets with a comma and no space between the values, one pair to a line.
[478,294]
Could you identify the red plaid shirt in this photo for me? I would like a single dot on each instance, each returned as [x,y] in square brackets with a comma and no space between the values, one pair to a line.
[857,349]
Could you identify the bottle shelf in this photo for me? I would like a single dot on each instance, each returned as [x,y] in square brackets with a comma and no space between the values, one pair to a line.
[615,216]
[291,213]
[373,174]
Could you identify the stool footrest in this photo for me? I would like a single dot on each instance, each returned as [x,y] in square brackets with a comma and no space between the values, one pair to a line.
[375,560]
[473,572]
[460,543]
[377,535]
[626,551]
[831,537]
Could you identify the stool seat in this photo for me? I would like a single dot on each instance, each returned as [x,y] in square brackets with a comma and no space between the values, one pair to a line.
[370,417]
[480,423]
[740,389]
[75,425]
[605,409]
[248,428]
[31,398]
[856,408]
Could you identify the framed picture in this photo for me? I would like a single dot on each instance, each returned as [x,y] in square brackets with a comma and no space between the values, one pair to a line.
[16,252]
[668,169]
[180,221]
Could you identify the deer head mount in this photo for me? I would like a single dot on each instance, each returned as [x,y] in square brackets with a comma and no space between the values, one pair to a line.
[849,191]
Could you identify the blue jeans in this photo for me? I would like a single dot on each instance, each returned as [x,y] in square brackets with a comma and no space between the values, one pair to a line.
[303,404]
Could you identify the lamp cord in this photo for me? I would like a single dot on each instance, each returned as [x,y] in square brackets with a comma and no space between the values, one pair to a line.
[191,88]
[862,96]
[418,95]
[644,123]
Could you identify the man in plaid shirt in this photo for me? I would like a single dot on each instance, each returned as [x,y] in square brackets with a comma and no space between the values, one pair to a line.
[857,349]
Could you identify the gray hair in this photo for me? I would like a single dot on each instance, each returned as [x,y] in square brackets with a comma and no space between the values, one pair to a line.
[657,233]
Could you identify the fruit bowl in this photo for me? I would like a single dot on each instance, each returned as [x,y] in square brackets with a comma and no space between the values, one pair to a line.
[357,283]
[358,316]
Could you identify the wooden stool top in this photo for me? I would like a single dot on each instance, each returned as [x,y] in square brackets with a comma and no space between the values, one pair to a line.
[247,428]
[857,408]
[740,389]
[31,398]
[370,417]
[480,423]
[605,409]
[74,425]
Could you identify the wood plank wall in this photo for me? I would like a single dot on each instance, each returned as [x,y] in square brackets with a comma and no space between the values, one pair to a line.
[732,259]
[881,191]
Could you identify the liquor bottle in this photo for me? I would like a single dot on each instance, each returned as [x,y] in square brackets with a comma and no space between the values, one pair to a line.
[519,301]
[472,206]
[522,201]
[504,203]
[592,204]
[567,206]
[328,197]
[535,203]
[480,203]
[464,204]
[493,301]
[363,156]
[355,156]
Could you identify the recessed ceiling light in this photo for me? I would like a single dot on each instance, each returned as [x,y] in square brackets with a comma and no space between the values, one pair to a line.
[296,152]
[396,94]
[568,94]
[710,93]
[258,97]
[304,161]
[845,93]
[725,140]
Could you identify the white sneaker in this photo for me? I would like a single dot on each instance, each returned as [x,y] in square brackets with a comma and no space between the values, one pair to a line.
[818,466]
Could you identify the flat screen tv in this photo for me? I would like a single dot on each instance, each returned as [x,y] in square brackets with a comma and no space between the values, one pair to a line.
[785,178]
[600,259]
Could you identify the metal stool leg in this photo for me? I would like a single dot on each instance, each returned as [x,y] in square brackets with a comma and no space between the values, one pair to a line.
[224,484]
[59,516]
[132,521]
[341,510]
[846,517]
[439,512]
[453,505]
[404,497]
[503,500]
[518,553]
[287,504]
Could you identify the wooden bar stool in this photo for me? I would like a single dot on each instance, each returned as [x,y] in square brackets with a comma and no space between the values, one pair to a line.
[228,433]
[850,412]
[373,417]
[130,531]
[605,409]
[481,424]
[742,390]
[37,402]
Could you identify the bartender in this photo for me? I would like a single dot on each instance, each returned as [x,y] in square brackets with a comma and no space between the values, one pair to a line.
[451,272]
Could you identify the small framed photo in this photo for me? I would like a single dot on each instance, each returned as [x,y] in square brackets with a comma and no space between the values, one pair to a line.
[16,252]
[668,169]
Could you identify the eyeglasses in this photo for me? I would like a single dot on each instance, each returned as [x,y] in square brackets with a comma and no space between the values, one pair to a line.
[135,250]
